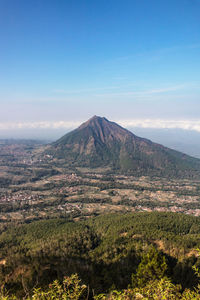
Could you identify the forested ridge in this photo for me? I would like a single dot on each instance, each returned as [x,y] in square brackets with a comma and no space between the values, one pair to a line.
[109,252]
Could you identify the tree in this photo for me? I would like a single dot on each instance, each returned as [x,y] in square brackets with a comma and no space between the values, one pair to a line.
[152,266]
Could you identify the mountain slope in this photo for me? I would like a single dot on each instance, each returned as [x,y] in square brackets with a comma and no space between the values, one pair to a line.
[101,143]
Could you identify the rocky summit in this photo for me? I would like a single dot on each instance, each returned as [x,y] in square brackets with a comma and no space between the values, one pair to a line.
[102,143]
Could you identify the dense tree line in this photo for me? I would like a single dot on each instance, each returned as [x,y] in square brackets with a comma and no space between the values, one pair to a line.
[107,251]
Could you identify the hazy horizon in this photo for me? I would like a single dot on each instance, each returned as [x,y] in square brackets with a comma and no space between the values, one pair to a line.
[186,141]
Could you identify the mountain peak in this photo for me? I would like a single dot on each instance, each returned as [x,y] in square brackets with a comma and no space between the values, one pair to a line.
[95,117]
[93,121]
[101,143]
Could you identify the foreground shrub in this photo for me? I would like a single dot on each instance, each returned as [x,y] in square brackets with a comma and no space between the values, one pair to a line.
[155,290]
[72,289]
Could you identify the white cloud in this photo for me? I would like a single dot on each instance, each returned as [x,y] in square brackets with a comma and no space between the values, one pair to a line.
[165,90]
[128,123]
[110,90]
[162,124]
[146,93]
[39,125]
[86,90]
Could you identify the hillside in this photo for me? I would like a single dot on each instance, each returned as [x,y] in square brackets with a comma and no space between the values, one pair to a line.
[104,251]
[101,143]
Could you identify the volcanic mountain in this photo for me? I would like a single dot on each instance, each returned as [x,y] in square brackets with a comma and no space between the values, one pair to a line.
[101,143]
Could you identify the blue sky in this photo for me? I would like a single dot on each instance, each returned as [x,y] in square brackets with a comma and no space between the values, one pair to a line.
[136,62]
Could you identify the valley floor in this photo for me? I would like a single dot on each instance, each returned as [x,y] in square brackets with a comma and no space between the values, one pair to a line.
[32,188]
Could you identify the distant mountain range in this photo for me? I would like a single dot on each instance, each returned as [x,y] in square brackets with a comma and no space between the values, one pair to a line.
[101,143]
